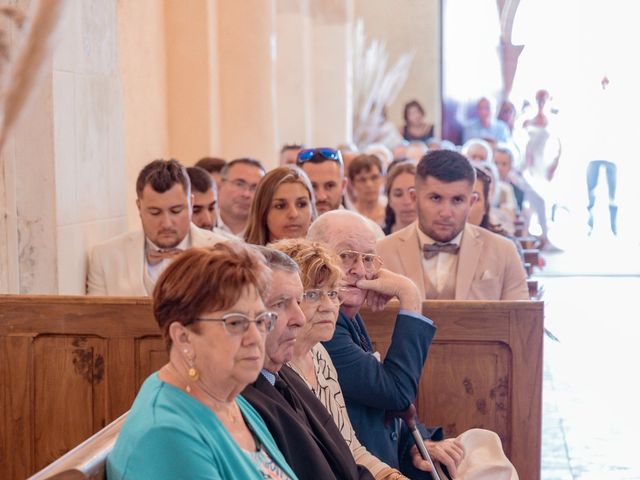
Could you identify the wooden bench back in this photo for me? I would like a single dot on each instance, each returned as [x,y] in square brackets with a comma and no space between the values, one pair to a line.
[71,365]
[88,460]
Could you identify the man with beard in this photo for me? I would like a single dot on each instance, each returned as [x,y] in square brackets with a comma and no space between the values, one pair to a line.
[131,263]
[444,255]
[238,182]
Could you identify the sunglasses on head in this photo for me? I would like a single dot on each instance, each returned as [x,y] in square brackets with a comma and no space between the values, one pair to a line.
[318,155]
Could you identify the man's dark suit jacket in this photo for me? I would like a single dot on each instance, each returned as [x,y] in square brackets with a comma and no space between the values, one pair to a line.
[370,387]
[310,440]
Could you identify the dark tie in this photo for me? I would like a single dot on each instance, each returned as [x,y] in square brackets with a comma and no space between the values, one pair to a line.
[365,344]
[156,256]
[430,251]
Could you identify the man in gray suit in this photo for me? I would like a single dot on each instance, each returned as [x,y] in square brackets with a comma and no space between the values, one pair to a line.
[445,256]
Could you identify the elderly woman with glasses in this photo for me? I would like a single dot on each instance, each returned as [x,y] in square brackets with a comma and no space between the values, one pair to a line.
[188,420]
[320,270]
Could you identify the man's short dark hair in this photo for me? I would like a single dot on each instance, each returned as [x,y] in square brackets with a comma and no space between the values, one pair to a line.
[446,166]
[291,146]
[211,164]
[162,175]
[201,181]
[363,163]
[245,161]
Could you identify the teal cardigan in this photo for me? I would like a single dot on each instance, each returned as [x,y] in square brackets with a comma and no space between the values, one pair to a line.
[170,435]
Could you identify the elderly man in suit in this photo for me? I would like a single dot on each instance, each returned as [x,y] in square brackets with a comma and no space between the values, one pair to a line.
[302,427]
[131,263]
[444,255]
[372,387]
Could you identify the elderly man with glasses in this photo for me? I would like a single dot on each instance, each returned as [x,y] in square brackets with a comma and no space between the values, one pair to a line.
[372,387]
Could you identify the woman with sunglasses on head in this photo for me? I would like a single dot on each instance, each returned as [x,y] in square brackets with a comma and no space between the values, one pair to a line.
[320,270]
[282,207]
[188,420]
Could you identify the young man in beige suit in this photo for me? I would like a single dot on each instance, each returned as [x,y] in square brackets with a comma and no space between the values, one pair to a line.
[130,264]
[445,256]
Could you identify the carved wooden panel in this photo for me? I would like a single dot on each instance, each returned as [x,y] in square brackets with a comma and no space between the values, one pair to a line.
[466,386]
[68,377]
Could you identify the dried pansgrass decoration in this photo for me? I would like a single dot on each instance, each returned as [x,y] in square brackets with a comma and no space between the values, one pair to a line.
[25,69]
[374,89]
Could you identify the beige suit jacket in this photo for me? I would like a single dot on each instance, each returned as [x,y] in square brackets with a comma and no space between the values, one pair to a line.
[489,267]
[116,267]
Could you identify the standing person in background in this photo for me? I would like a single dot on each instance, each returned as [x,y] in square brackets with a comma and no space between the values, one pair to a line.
[415,127]
[603,157]
[239,180]
[541,159]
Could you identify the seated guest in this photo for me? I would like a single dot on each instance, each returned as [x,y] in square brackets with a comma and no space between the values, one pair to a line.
[479,212]
[283,207]
[401,198]
[415,127]
[289,154]
[212,165]
[484,126]
[372,387]
[130,264]
[238,182]
[503,157]
[324,168]
[445,256]
[205,201]
[321,274]
[302,427]
[188,420]
[367,177]
[381,151]
[416,150]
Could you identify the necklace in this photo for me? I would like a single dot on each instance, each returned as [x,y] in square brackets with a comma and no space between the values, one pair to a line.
[300,370]
[232,410]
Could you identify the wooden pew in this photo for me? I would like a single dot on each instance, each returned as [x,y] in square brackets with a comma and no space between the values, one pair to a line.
[484,369]
[71,365]
[88,460]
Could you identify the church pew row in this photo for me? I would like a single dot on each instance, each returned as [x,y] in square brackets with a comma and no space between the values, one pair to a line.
[71,365]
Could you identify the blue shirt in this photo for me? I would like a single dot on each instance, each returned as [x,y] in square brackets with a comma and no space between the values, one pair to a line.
[170,435]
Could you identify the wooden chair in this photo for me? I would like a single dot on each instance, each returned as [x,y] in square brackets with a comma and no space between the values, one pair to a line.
[88,460]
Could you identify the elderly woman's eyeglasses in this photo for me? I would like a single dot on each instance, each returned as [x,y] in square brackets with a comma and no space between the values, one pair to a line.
[315,296]
[370,261]
[237,323]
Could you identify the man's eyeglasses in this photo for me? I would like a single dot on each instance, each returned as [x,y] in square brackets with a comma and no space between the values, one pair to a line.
[315,295]
[242,185]
[370,261]
[316,155]
[237,323]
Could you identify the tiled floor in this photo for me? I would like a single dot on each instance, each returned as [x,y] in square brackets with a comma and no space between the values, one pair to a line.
[591,393]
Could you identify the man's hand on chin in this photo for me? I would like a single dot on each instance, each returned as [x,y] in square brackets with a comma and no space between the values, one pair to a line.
[449,452]
[387,285]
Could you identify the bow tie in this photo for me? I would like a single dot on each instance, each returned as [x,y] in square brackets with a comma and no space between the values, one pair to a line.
[154,257]
[430,251]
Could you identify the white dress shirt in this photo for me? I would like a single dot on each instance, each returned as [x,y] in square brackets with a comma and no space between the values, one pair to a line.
[438,268]
[156,270]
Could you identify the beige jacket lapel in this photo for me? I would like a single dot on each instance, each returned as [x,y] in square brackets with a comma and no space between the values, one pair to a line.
[468,258]
[135,262]
[410,256]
